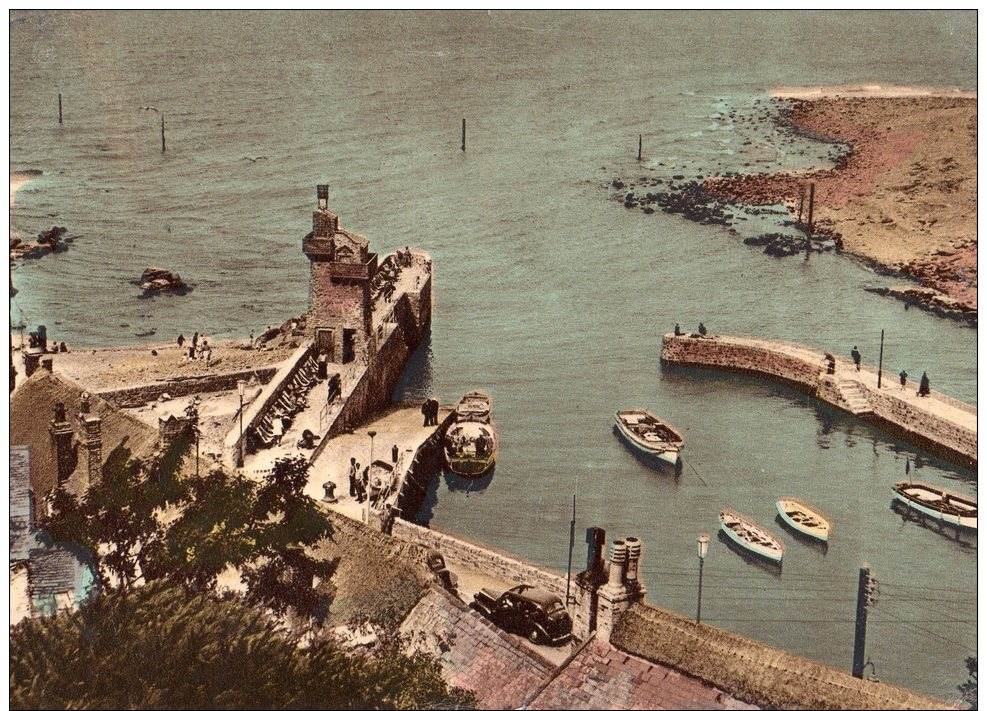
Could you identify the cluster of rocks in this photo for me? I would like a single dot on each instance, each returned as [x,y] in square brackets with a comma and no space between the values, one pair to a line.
[778,244]
[689,199]
[56,239]
[930,300]
[286,334]
[156,280]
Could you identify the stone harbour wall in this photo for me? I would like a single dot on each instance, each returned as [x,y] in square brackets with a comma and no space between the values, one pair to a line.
[923,422]
[178,387]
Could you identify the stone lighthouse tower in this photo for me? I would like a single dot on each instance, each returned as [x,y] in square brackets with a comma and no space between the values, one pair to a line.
[339,305]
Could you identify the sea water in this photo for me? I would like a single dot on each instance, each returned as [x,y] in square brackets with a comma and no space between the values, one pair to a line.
[548,293]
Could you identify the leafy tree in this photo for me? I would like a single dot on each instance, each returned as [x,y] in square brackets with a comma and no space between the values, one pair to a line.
[969,687]
[160,646]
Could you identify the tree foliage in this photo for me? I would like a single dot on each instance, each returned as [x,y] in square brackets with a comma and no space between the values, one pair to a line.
[145,521]
[968,688]
[163,646]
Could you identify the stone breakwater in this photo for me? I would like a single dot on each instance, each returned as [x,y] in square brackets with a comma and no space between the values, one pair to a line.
[939,424]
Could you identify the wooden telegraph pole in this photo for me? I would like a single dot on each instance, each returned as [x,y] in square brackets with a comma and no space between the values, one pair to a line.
[880,361]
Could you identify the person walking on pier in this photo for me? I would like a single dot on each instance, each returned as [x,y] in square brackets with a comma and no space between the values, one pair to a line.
[855,354]
[903,377]
[923,386]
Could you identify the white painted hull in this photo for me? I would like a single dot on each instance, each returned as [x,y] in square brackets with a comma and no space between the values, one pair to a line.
[669,454]
[967,522]
[772,554]
[811,531]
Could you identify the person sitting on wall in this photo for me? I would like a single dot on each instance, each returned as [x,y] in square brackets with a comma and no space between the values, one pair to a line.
[678,331]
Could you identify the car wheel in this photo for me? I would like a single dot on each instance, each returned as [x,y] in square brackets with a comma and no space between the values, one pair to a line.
[533,636]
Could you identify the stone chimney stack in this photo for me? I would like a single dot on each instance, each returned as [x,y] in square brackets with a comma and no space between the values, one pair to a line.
[618,563]
[92,445]
[61,442]
[623,587]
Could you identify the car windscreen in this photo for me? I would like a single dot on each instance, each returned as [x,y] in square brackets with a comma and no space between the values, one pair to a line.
[555,611]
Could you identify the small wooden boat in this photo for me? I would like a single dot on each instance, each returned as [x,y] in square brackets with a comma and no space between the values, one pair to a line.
[649,434]
[751,536]
[471,442]
[938,503]
[804,519]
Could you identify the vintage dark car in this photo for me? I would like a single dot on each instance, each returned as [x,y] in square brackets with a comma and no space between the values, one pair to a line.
[524,610]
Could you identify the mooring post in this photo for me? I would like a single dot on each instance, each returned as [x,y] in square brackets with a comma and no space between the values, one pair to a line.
[863,585]
[162,134]
[639,147]
[812,196]
[462,146]
[59,109]
[880,361]
[572,543]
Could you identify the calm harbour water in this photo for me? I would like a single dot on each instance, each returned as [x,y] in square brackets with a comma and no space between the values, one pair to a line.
[547,293]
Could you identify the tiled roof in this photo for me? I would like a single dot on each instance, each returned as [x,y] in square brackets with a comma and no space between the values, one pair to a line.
[499,669]
[20,497]
[53,571]
[602,677]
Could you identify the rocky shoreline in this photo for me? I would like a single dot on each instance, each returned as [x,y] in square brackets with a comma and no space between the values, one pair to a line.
[900,195]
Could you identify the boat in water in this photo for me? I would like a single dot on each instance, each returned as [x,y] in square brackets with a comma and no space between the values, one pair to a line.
[647,433]
[751,536]
[471,441]
[938,503]
[805,519]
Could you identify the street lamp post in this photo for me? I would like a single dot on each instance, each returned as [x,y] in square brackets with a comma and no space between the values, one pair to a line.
[702,545]
[370,467]
[241,387]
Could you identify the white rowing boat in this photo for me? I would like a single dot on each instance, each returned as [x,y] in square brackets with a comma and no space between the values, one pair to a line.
[938,503]
[647,433]
[751,536]
[804,518]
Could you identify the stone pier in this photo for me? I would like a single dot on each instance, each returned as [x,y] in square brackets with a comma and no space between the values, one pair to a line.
[940,424]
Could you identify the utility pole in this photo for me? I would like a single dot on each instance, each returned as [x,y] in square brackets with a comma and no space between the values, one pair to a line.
[866,595]
[880,361]
[572,543]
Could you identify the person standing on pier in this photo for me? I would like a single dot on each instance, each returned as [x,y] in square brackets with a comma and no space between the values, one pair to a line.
[903,377]
[181,340]
[354,469]
[702,329]
[855,354]
[923,386]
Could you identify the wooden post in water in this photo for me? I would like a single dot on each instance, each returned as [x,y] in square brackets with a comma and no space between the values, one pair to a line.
[880,361]
[861,626]
[572,543]
[162,134]
[639,148]
[59,109]
[462,146]
[812,197]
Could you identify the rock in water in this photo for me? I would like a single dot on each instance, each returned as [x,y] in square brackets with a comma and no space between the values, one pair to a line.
[157,280]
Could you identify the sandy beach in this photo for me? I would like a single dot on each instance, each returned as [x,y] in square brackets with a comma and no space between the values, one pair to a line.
[904,197]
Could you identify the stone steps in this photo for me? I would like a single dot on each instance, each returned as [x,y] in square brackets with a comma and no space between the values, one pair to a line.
[856,401]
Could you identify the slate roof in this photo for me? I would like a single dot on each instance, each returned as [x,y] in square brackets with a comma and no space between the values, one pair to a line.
[474,654]
[600,676]
[21,519]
